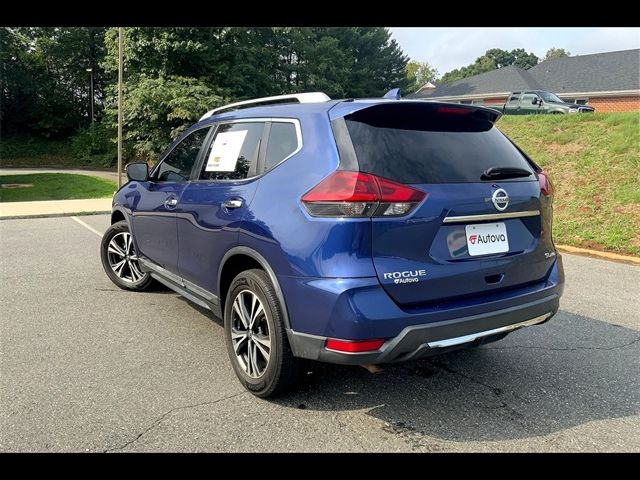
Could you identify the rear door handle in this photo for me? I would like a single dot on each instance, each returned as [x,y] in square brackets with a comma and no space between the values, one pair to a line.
[171,202]
[231,204]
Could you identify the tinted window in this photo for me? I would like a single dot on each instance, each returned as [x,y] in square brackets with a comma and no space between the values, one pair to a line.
[283,141]
[550,97]
[233,153]
[427,147]
[177,165]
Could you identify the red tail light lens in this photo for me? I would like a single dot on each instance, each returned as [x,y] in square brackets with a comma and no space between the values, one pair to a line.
[545,183]
[353,346]
[344,187]
[396,192]
[358,194]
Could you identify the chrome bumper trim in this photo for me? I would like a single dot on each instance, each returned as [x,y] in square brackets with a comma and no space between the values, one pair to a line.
[491,216]
[449,342]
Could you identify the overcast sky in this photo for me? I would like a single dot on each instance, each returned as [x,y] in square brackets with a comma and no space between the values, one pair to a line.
[449,48]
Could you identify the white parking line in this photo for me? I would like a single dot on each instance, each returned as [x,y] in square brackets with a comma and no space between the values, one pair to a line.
[88,227]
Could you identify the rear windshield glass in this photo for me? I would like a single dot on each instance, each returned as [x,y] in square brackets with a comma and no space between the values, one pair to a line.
[428,146]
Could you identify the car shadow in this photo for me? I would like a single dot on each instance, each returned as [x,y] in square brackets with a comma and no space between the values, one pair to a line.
[538,380]
[543,379]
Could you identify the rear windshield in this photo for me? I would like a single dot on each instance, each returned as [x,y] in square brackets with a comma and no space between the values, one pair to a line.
[424,145]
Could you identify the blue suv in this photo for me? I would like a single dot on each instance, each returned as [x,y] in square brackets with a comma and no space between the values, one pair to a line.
[347,231]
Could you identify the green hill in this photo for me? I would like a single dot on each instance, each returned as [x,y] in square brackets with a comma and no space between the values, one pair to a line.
[594,163]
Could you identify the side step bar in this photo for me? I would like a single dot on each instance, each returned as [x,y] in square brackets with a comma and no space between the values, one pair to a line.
[186,294]
[188,290]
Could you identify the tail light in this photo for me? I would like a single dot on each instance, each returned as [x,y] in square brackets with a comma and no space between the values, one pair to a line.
[353,346]
[545,183]
[358,194]
[454,110]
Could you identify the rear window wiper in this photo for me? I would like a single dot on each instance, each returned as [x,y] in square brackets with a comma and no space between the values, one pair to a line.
[494,173]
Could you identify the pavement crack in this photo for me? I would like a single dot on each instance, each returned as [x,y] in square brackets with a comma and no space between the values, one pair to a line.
[564,349]
[497,392]
[160,419]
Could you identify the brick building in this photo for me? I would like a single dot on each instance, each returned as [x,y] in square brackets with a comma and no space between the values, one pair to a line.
[609,81]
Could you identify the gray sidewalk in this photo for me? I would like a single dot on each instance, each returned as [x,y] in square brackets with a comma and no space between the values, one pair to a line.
[54,208]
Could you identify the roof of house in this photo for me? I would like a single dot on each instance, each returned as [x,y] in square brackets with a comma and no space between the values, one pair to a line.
[590,73]
[504,79]
[608,71]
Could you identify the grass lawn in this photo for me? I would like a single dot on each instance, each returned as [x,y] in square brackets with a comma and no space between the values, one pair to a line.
[54,186]
[594,163]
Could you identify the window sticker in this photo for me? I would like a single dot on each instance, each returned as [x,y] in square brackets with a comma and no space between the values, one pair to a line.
[225,151]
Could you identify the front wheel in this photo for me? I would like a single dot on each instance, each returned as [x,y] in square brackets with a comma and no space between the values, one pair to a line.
[256,336]
[120,259]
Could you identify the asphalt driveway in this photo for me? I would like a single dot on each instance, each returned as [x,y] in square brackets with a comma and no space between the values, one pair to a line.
[85,366]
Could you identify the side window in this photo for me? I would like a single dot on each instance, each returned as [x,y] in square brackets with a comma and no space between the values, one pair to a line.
[177,165]
[527,98]
[283,141]
[233,151]
[513,99]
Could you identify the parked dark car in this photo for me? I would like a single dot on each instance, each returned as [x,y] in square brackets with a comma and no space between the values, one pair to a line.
[349,231]
[538,101]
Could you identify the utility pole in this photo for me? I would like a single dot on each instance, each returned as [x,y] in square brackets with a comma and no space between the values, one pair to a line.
[90,70]
[120,69]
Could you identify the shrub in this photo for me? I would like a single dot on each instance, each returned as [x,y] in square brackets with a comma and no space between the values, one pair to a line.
[156,110]
[95,145]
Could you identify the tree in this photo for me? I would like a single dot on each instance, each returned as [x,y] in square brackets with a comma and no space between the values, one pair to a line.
[501,58]
[481,65]
[158,109]
[492,59]
[554,53]
[44,78]
[195,69]
[173,75]
[419,74]
[522,59]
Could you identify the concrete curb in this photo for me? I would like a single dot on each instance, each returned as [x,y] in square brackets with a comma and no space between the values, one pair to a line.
[614,257]
[52,215]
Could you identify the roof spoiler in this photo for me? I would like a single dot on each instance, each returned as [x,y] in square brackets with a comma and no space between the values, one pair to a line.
[407,114]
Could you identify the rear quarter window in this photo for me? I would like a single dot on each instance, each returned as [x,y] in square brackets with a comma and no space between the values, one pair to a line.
[283,141]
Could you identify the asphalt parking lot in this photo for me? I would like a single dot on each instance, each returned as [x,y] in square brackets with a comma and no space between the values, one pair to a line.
[86,366]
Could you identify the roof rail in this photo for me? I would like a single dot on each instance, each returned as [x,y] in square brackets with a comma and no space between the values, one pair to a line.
[311,97]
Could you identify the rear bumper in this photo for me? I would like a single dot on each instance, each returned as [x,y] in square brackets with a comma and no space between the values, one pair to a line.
[358,309]
[423,340]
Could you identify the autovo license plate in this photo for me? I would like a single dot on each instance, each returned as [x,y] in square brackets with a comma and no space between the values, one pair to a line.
[487,238]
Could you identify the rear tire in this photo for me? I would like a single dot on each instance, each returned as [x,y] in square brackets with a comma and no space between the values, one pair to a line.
[120,259]
[256,336]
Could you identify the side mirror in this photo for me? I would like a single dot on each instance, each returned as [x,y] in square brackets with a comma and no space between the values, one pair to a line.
[138,172]
[534,101]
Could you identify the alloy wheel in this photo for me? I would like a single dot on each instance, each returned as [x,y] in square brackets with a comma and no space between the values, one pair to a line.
[250,333]
[123,258]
